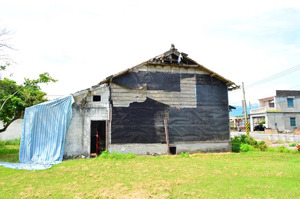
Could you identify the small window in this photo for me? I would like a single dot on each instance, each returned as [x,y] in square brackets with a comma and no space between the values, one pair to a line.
[293,121]
[290,102]
[97,98]
[271,103]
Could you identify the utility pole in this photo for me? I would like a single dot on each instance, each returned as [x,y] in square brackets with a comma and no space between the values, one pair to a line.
[245,110]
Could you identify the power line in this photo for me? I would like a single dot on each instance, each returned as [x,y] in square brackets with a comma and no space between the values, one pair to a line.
[275,76]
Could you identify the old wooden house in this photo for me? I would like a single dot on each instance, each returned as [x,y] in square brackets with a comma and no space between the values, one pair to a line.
[126,112]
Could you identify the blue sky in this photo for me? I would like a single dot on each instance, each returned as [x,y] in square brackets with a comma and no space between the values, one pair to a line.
[80,43]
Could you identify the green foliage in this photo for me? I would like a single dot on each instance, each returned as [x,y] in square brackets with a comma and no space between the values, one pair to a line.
[292,144]
[283,149]
[262,122]
[184,155]
[14,142]
[117,156]
[246,147]
[236,144]
[238,141]
[262,145]
[15,98]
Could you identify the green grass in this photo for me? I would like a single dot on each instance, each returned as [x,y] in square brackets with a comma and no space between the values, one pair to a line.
[253,174]
[9,153]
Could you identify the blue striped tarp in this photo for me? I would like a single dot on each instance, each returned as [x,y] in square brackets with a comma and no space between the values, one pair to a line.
[43,136]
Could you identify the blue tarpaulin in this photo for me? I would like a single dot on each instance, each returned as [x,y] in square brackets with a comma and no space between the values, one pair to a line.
[44,134]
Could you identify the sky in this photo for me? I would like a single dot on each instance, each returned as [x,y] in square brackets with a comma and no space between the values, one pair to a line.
[81,43]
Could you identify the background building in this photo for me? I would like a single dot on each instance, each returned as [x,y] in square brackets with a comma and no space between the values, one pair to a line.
[281,112]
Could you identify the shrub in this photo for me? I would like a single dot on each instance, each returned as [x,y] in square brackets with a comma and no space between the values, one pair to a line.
[246,147]
[238,141]
[253,142]
[236,147]
[262,145]
[281,148]
[292,144]
[244,139]
[236,144]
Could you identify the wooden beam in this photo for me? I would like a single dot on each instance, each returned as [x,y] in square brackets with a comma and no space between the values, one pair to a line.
[167,134]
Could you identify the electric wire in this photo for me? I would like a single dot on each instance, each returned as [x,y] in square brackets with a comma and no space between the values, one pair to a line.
[275,76]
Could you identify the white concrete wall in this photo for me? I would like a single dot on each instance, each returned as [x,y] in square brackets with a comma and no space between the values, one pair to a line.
[150,149]
[84,111]
[282,105]
[282,120]
[13,131]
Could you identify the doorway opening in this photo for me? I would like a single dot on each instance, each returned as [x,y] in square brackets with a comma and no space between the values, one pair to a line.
[98,137]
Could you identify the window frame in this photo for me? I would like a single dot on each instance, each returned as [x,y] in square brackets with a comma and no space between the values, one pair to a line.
[292,121]
[96,97]
[290,102]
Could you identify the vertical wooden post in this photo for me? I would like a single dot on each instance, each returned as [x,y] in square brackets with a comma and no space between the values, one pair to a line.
[167,134]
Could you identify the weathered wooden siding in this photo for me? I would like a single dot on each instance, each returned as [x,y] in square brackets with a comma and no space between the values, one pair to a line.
[186,98]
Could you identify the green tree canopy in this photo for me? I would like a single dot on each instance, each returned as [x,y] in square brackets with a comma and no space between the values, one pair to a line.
[15,98]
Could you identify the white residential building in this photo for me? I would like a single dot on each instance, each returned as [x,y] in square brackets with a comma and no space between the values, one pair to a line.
[281,112]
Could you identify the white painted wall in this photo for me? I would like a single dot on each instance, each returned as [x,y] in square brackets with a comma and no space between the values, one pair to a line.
[13,131]
[79,134]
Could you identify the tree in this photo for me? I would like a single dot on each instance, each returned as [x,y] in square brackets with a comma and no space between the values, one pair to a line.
[15,98]
[4,45]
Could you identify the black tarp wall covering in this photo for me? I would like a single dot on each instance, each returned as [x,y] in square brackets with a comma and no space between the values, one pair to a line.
[143,122]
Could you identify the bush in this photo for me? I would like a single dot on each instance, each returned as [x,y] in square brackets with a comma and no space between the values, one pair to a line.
[253,142]
[281,148]
[292,144]
[246,147]
[238,141]
[244,139]
[262,146]
[236,144]
[236,147]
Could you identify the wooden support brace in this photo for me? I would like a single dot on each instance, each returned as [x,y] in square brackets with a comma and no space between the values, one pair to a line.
[167,135]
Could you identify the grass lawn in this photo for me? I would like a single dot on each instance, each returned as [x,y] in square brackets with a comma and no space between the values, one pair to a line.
[225,175]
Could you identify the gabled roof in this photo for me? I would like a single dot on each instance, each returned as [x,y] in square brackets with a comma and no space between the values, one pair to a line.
[175,58]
